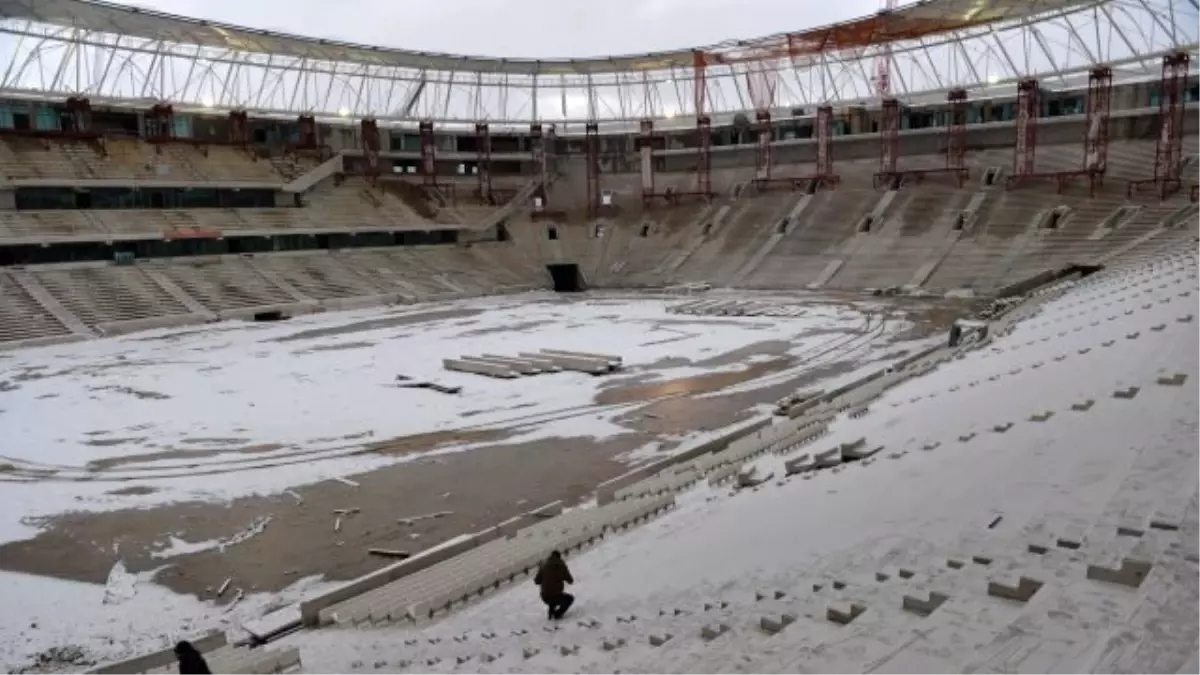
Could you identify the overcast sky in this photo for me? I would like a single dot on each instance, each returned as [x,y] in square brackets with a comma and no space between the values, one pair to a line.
[533,28]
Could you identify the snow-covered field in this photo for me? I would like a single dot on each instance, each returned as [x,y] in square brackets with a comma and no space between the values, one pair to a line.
[953,483]
[243,408]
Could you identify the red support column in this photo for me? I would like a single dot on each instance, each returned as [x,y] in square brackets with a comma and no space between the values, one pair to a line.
[369,129]
[1169,152]
[889,141]
[645,143]
[239,128]
[538,149]
[1028,109]
[80,110]
[956,134]
[762,159]
[592,156]
[428,153]
[483,161]
[309,139]
[824,133]
[703,125]
[1099,107]
[160,123]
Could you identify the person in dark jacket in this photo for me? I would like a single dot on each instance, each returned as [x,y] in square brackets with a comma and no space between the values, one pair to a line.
[552,576]
[190,660]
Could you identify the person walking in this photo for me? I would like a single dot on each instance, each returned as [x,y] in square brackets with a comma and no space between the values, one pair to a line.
[190,660]
[552,576]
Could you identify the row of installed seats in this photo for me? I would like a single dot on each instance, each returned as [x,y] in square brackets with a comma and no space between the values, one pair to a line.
[130,159]
[351,206]
[108,299]
[439,587]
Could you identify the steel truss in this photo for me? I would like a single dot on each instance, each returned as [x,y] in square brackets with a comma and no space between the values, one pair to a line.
[1056,46]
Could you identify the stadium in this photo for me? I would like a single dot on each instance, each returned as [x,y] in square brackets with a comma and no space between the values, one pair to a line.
[869,346]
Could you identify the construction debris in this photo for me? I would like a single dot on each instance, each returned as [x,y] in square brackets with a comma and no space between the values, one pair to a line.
[427,516]
[389,553]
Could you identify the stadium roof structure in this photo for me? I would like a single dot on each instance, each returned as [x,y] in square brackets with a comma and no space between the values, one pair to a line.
[120,54]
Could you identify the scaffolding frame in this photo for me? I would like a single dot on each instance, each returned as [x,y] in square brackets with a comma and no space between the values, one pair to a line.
[238,131]
[369,130]
[892,176]
[428,153]
[1168,154]
[591,142]
[703,171]
[483,163]
[1095,141]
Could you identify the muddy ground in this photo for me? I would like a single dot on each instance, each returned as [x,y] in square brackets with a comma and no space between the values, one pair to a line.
[479,487]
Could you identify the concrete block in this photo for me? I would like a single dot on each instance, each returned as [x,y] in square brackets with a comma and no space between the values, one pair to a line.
[931,446]
[530,652]
[1085,350]
[713,631]
[880,576]
[800,464]
[1159,327]
[613,644]
[566,650]
[1131,573]
[904,573]
[1041,417]
[838,585]
[1083,406]
[1022,592]
[981,560]
[1173,381]
[1186,318]
[1165,525]
[1123,531]
[921,607]
[844,617]
[1132,336]
[1038,549]
[855,451]
[771,625]
[826,459]
[660,640]
[1001,428]
[1126,393]
[1070,543]
[1108,343]
[966,437]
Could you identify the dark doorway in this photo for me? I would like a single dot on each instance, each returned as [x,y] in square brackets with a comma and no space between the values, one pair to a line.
[566,278]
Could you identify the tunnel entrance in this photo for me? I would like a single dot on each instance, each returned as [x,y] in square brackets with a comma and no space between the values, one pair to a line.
[566,277]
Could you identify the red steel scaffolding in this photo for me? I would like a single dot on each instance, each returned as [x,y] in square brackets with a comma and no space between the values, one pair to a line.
[369,130]
[239,128]
[824,175]
[483,162]
[592,156]
[703,172]
[541,144]
[428,153]
[309,136]
[1095,142]
[1169,152]
[889,144]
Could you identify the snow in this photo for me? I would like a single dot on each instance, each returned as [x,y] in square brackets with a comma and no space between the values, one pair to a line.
[129,615]
[272,406]
[171,409]
[1077,474]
